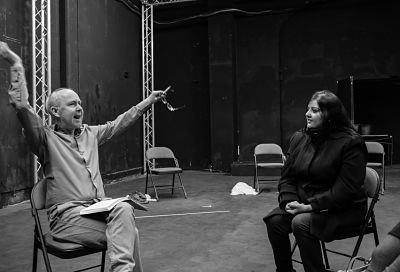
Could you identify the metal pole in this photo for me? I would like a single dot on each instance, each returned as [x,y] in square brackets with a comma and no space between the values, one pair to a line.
[147,77]
[41,64]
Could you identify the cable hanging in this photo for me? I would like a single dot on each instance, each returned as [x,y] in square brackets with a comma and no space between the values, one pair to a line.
[209,14]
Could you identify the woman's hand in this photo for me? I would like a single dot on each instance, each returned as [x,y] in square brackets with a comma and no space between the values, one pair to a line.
[295,207]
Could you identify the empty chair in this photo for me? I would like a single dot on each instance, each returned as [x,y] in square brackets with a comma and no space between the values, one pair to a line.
[376,159]
[267,156]
[372,184]
[47,244]
[162,161]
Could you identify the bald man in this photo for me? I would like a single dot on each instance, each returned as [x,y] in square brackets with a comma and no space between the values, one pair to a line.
[68,153]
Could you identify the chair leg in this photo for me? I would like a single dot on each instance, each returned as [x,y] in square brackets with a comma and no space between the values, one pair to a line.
[147,182]
[292,252]
[103,260]
[183,187]
[294,246]
[254,178]
[154,186]
[383,179]
[173,183]
[324,254]
[35,254]
[42,247]
[376,238]
[46,260]
[256,183]
[358,244]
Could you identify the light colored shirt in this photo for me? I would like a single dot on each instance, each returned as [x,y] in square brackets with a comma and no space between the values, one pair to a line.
[70,163]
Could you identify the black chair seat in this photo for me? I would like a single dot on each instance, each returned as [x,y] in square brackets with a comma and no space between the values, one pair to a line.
[66,250]
[345,233]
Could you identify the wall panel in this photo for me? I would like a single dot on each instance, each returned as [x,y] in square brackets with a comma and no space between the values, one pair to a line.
[109,75]
[16,167]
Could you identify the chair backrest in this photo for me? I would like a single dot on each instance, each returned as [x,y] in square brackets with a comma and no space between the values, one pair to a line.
[271,149]
[375,148]
[372,183]
[160,156]
[159,153]
[38,195]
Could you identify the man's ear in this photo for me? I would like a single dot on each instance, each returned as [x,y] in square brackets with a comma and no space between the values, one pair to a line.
[54,111]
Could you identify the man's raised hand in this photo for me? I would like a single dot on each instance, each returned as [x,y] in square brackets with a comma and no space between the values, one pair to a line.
[8,54]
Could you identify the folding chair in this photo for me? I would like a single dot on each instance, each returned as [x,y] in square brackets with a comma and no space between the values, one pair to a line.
[162,161]
[267,156]
[47,244]
[372,184]
[376,159]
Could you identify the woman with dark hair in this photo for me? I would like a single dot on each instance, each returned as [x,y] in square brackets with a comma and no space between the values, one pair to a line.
[320,189]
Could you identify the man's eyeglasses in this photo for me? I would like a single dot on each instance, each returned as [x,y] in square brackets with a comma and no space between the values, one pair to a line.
[169,106]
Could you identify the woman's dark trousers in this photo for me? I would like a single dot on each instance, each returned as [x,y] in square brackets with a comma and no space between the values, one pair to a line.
[279,227]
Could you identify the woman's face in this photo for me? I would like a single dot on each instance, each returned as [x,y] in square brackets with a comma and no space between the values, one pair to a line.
[314,115]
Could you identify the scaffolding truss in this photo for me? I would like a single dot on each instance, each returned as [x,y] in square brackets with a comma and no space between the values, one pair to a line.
[147,71]
[147,77]
[165,2]
[41,64]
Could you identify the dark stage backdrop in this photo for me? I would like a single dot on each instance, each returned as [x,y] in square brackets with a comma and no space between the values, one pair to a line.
[110,74]
[96,50]
[263,69]
[15,160]
[181,61]
[333,41]
[244,79]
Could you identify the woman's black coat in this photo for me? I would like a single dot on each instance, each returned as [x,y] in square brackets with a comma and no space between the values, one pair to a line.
[327,172]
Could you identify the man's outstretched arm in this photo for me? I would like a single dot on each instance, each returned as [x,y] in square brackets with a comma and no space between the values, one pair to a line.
[18,96]
[18,92]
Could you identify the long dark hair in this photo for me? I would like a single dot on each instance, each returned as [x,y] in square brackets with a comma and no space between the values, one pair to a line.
[333,112]
[335,119]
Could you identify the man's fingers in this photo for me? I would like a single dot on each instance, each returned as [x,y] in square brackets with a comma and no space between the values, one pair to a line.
[8,54]
[3,48]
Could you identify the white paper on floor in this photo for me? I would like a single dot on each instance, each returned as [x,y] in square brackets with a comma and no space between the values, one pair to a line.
[242,188]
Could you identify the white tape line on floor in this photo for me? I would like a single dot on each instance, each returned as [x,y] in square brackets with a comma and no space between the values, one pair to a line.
[179,214]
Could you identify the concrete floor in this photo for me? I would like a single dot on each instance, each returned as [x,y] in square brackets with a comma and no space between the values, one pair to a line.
[209,231]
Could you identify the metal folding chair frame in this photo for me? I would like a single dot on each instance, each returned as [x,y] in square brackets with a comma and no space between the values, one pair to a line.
[369,226]
[376,148]
[45,242]
[266,149]
[152,155]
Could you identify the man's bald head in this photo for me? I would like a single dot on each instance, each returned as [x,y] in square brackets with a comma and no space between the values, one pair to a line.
[56,97]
